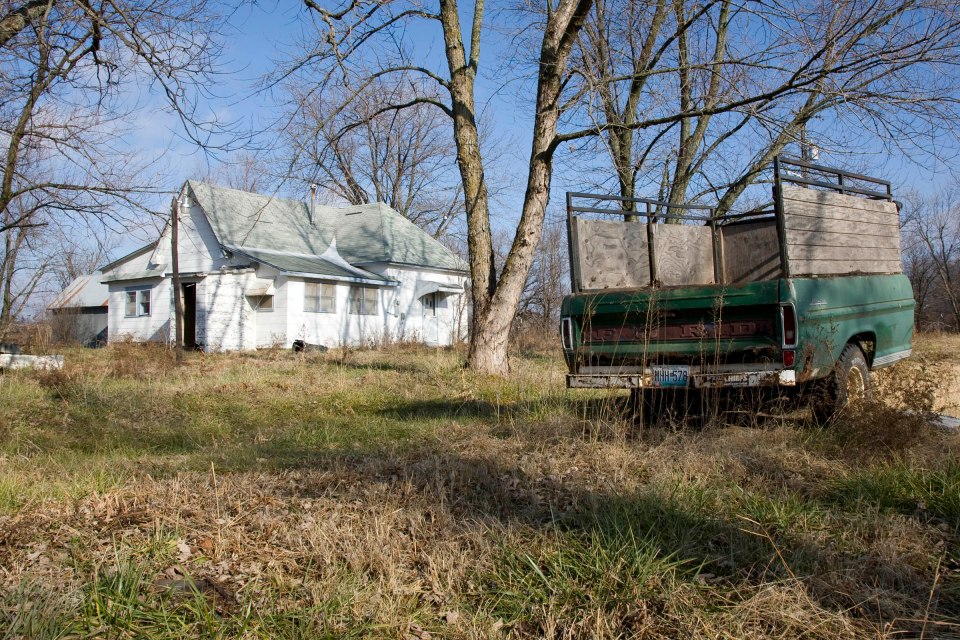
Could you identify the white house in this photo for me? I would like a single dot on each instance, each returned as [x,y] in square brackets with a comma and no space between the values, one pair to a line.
[259,271]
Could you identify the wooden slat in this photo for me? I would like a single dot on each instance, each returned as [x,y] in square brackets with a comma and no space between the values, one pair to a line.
[821,252]
[840,267]
[842,239]
[751,252]
[827,225]
[684,254]
[831,233]
[838,214]
[612,254]
[837,200]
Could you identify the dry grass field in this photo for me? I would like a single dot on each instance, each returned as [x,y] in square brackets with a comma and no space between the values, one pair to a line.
[390,494]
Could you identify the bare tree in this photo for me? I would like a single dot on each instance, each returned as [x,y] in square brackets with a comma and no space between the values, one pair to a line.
[361,154]
[245,170]
[38,261]
[21,271]
[350,30]
[67,68]
[935,224]
[548,278]
[922,272]
[863,66]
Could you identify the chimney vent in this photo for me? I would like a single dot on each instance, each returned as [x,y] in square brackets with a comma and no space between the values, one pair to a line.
[311,206]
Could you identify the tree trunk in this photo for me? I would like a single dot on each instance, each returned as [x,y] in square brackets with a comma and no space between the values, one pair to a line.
[488,351]
[469,158]
[18,19]
[6,273]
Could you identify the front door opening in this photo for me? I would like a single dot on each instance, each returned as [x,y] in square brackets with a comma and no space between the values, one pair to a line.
[189,315]
[431,333]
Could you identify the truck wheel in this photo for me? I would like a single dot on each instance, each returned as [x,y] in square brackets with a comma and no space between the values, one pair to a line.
[848,383]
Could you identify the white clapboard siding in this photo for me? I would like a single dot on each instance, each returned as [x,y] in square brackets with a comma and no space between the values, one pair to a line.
[611,254]
[684,254]
[751,251]
[230,321]
[831,233]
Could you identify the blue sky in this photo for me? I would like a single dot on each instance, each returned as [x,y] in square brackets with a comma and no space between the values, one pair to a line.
[261,34]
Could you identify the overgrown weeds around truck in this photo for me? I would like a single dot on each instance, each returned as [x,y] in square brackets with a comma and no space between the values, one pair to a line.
[906,399]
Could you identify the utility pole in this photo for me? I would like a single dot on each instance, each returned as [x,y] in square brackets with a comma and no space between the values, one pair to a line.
[175,263]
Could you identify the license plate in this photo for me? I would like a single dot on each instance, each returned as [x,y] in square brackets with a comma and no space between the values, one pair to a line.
[671,376]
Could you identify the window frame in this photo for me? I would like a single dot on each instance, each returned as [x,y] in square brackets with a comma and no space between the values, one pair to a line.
[430,308]
[323,292]
[140,295]
[258,304]
[364,297]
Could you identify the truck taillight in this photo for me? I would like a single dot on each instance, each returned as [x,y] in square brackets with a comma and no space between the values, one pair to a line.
[566,333]
[788,320]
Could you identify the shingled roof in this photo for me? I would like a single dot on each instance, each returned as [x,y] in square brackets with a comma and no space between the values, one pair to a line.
[287,235]
[84,291]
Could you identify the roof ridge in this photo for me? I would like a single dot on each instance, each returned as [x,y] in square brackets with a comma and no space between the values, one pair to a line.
[276,252]
[244,192]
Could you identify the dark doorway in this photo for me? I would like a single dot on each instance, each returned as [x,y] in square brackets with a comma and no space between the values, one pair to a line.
[189,315]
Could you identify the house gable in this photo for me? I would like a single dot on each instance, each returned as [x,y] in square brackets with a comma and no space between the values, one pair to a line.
[135,265]
[198,248]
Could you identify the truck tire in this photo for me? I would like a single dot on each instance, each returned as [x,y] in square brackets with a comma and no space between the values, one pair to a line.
[848,383]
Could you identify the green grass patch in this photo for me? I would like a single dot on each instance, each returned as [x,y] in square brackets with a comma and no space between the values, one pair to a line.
[903,488]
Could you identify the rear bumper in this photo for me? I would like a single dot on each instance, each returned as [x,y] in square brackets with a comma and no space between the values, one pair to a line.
[709,380]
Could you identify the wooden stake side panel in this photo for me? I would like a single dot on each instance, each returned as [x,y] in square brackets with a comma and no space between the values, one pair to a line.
[833,234]
[751,252]
[684,254]
[611,254]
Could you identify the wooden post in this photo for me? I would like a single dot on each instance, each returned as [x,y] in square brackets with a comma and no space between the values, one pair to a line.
[175,263]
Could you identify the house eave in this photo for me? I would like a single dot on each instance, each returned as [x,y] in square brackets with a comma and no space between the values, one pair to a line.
[132,254]
[319,276]
[316,276]
[409,265]
[133,278]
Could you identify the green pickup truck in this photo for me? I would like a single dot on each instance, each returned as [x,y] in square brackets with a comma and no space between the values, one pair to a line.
[808,294]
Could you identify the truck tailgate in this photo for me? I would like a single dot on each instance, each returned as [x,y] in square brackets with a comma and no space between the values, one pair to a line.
[683,325]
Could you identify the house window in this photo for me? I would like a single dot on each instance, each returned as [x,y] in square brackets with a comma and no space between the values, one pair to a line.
[363,301]
[262,303]
[429,303]
[320,297]
[137,303]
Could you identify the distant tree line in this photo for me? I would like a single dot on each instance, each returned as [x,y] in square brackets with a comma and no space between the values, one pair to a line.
[931,258]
